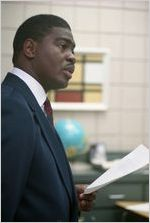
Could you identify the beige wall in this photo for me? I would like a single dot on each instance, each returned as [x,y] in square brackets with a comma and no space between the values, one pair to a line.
[115,24]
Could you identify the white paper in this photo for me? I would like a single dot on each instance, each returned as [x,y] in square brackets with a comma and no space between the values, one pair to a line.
[132,162]
[139,207]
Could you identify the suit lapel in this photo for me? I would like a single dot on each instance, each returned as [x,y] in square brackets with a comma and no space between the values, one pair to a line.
[56,149]
[48,130]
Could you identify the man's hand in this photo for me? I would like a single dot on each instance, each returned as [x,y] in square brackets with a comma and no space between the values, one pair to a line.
[85,201]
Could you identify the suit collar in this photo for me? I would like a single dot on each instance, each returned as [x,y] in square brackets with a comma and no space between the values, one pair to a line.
[18,84]
[36,88]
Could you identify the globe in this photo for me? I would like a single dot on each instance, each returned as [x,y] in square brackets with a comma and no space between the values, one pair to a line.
[73,137]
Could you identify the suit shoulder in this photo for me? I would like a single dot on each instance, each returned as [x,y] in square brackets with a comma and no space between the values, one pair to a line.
[9,93]
[12,99]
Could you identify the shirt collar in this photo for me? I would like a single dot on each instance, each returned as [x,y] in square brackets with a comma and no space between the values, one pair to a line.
[34,85]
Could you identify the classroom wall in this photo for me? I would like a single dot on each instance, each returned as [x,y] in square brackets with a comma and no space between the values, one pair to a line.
[119,25]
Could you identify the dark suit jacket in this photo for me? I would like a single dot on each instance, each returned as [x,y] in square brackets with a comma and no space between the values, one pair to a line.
[37,183]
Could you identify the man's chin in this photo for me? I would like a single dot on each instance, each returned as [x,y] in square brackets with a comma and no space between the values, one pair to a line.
[60,85]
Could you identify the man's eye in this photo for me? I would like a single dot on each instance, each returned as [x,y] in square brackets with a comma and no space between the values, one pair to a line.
[65,46]
[62,45]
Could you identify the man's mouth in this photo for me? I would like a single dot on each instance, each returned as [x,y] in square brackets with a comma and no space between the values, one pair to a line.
[68,70]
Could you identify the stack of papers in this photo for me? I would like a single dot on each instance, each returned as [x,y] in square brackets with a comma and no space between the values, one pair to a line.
[132,162]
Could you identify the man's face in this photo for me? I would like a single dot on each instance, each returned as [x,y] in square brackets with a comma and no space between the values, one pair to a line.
[54,59]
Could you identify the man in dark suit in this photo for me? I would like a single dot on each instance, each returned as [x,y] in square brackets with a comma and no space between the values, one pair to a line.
[37,183]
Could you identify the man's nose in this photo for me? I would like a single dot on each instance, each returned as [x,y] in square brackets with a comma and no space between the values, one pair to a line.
[71,57]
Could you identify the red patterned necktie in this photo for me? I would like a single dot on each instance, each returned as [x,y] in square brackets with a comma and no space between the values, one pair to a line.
[48,110]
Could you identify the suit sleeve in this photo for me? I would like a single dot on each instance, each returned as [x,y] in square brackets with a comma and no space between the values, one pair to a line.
[18,137]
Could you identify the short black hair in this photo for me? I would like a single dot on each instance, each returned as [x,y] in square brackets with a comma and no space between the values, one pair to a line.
[36,27]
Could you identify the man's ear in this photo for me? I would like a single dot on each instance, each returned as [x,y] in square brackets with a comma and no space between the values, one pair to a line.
[29,48]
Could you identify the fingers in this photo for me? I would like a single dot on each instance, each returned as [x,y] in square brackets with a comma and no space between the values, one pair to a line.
[86,205]
[80,188]
[87,197]
[86,201]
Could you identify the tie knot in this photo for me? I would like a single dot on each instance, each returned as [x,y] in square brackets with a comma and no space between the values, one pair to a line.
[47,107]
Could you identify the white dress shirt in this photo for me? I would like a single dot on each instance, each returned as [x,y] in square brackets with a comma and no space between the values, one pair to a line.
[34,85]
